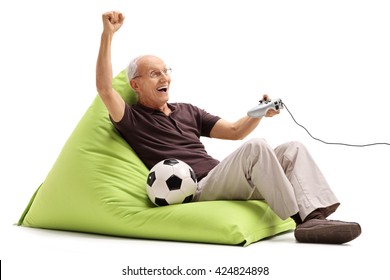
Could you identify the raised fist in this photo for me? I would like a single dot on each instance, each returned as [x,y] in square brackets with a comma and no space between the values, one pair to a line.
[112,21]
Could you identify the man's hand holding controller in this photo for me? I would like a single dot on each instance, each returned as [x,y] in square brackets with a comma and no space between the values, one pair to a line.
[266,108]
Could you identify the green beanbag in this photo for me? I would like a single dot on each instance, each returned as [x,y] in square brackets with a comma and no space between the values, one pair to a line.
[97,185]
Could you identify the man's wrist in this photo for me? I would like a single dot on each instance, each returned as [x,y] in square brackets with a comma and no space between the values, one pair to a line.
[107,33]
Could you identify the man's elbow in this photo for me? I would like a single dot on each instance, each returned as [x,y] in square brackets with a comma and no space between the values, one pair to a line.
[236,133]
[239,136]
[103,90]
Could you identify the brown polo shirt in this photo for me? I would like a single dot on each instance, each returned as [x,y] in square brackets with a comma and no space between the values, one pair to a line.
[155,136]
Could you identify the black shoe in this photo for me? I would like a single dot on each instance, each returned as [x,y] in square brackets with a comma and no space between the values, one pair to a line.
[327,231]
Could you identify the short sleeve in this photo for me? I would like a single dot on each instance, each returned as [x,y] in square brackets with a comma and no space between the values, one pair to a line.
[208,122]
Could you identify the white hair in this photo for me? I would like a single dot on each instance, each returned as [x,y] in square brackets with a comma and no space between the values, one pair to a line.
[133,67]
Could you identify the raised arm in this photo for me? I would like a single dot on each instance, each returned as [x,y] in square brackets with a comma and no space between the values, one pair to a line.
[115,104]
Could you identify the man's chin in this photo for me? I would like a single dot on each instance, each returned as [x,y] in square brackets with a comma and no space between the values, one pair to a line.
[166,98]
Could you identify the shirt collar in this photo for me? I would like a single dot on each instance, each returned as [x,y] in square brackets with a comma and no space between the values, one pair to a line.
[154,111]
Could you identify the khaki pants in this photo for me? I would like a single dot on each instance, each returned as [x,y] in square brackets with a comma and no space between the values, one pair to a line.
[287,178]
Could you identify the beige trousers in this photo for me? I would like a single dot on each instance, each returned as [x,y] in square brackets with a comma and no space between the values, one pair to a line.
[287,178]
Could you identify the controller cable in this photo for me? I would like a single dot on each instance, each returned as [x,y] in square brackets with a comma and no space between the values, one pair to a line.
[332,143]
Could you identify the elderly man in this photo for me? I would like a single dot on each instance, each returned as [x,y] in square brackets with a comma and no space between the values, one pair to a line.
[287,177]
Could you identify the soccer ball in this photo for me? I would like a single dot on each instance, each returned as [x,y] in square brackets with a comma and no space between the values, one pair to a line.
[171,181]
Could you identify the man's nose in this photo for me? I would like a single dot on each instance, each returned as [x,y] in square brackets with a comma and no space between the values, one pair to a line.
[164,76]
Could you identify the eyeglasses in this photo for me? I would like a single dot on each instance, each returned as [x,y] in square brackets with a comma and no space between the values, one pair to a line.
[155,74]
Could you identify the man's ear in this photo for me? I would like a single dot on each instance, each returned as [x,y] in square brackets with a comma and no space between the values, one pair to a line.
[134,85]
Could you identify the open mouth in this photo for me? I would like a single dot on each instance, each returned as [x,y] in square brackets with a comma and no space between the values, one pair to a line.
[162,89]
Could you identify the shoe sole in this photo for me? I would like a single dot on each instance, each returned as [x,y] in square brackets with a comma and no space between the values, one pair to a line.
[329,234]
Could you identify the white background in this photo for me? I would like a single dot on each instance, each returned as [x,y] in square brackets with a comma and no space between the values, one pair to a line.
[329,61]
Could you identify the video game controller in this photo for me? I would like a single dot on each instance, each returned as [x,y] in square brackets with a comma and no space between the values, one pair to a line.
[263,107]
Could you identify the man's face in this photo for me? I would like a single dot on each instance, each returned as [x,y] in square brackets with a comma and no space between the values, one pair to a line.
[152,82]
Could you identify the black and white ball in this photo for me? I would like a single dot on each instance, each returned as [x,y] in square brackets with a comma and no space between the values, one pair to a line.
[171,181]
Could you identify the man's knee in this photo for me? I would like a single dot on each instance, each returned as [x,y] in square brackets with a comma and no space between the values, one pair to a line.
[256,145]
[256,142]
[296,145]
[290,148]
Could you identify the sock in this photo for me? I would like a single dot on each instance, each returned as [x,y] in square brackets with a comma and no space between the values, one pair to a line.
[297,218]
